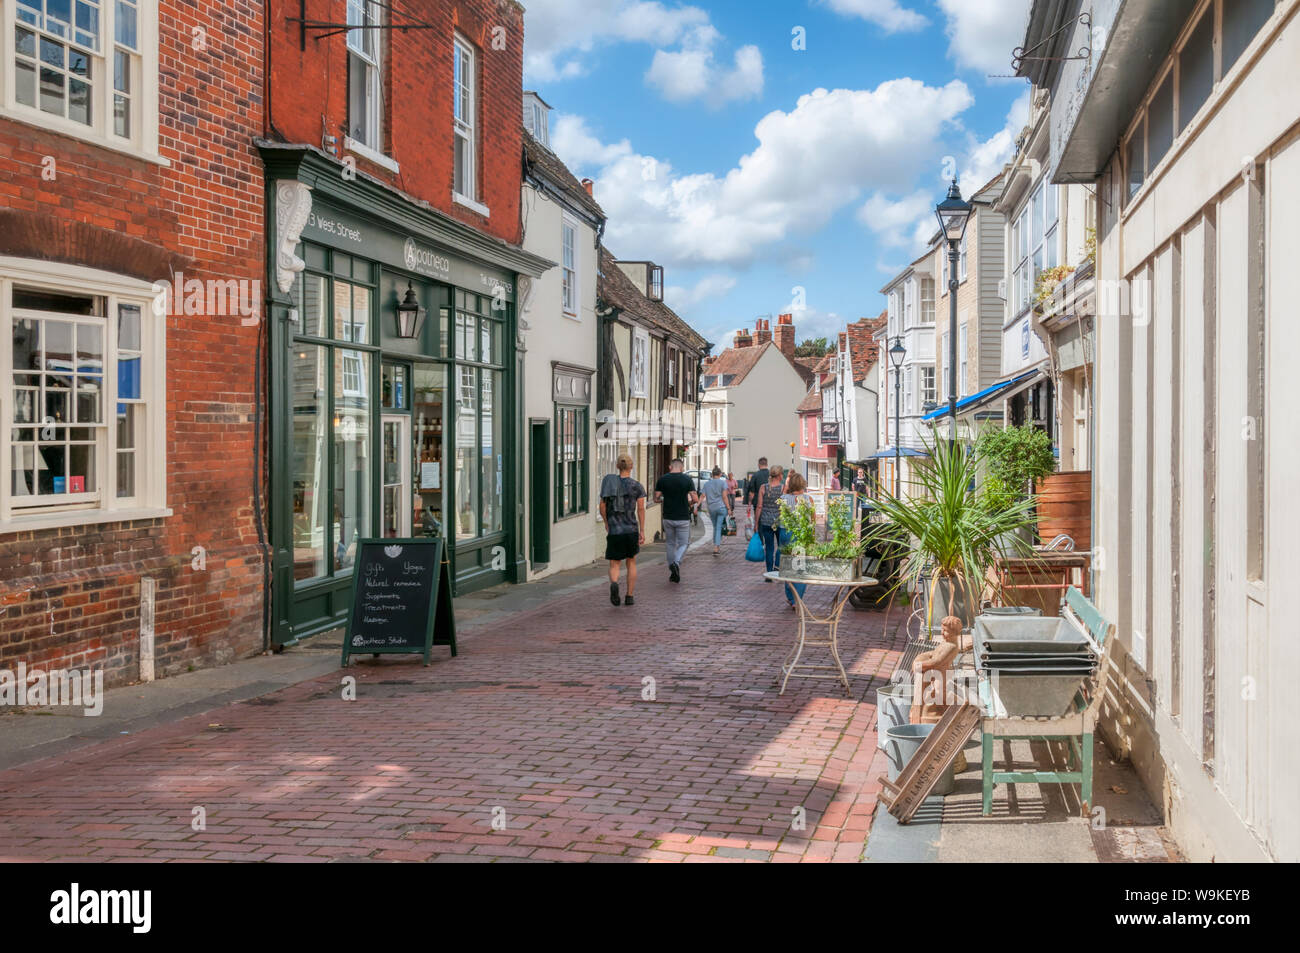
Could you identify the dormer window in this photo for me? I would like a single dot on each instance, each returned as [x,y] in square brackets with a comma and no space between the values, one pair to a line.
[536,113]
[655,282]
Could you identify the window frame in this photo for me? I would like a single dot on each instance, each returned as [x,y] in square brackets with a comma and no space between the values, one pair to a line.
[570,286]
[143,83]
[465,127]
[373,62]
[1170,68]
[149,499]
[572,470]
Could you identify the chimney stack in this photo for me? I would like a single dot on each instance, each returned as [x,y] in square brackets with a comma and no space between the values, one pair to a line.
[784,334]
[762,331]
[588,185]
[742,339]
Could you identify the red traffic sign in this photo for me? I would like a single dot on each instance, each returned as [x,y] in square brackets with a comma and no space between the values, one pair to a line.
[722,444]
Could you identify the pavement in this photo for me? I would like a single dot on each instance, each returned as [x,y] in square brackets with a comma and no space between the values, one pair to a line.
[567,729]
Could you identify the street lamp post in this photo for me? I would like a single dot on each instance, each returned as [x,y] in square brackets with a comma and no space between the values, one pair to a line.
[953,215]
[896,355]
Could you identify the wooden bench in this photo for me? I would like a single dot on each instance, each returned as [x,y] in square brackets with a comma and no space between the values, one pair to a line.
[1075,728]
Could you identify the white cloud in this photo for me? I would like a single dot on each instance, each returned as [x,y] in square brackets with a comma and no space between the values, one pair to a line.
[908,222]
[710,286]
[559,35]
[886,14]
[692,74]
[808,164]
[982,33]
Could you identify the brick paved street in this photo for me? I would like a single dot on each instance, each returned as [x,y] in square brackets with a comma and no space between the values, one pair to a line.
[540,720]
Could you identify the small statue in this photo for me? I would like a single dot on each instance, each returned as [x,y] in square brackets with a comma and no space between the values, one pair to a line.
[935,690]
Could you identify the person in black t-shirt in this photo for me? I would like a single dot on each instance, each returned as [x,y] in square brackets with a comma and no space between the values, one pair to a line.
[622,507]
[677,491]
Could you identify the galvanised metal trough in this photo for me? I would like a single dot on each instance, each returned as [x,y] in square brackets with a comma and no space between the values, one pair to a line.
[1034,666]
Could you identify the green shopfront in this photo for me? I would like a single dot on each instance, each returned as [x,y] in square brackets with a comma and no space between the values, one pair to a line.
[373,434]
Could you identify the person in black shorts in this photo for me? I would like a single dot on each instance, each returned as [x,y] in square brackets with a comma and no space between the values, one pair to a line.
[622,507]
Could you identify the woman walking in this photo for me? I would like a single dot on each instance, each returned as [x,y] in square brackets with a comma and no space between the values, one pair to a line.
[718,499]
[796,495]
[768,509]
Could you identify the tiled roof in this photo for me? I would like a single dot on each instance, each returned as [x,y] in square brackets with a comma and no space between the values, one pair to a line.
[810,403]
[541,160]
[734,363]
[863,349]
[615,288]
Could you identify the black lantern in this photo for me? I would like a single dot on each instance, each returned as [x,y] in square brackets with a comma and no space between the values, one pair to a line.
[953,214]
[408,314]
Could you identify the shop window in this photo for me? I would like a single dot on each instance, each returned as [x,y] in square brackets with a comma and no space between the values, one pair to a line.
[570,461]
[365,79]
[480,417]
[83,67]
[465,108]
[84,422]
[332,412]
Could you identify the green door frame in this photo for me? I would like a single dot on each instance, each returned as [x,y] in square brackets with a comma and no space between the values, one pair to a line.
[539,491]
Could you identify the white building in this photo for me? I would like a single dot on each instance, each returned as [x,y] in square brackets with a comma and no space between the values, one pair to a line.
[856,391]
[910,319]
[562,223]
[1185,122]
[749,397]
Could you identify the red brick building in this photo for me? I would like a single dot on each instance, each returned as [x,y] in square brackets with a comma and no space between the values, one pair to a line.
[393,159]
[128,418]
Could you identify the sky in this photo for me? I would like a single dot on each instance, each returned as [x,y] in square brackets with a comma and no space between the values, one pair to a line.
[776,155]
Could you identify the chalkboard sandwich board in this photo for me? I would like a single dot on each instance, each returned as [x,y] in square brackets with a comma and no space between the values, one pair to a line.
[401,598]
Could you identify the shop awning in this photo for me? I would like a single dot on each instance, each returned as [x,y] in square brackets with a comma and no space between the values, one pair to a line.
[999,391]
[902,452]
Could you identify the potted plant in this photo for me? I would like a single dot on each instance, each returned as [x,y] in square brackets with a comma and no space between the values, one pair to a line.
[1015,457]
[836,557]
[956,534]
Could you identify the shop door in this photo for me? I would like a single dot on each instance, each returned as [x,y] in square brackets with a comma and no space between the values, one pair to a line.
[539,491]
[396,491]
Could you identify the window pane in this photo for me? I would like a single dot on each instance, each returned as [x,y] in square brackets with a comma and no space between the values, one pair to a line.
[491,452]
[1160,122]
[126,25]
[1196,70]
[128,327]
[51,90]
[25,83]
[351,511]
[81,468]
[309,462]
[467,450]
[310,308]
[24,470]
[126,475]
[1134,162]
[429,381]
[1242,19]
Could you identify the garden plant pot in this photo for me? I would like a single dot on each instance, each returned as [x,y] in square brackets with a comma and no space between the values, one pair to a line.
[893,704]
[810,568]
[901,743]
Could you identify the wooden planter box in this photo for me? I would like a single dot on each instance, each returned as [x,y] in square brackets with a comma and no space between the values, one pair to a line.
[1064,502]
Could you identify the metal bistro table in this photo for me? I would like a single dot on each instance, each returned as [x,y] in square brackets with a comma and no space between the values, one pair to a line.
[792,667]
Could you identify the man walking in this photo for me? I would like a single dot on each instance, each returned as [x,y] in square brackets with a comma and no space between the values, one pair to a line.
[622,507]
[756,482]
[677,491]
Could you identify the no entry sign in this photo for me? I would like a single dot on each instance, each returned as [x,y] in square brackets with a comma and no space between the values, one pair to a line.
[722,444]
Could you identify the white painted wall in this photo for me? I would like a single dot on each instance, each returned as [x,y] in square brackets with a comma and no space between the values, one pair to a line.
[761,417]
[554,336]
[1197,493]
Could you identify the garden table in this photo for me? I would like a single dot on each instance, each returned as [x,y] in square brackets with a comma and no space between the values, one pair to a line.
[792,667]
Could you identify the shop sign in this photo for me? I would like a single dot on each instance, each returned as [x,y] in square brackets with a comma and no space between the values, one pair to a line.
[366,239]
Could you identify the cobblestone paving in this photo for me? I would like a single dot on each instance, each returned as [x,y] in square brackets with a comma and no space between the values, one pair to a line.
[534,744]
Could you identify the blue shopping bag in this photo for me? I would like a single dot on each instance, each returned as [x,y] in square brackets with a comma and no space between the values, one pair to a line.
[754,551]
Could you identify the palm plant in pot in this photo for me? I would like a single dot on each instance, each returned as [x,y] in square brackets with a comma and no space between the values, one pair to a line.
[956,534]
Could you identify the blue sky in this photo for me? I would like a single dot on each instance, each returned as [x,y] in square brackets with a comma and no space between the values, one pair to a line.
[749,168]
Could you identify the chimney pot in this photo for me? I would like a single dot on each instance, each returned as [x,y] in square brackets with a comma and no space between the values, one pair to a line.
[588,184]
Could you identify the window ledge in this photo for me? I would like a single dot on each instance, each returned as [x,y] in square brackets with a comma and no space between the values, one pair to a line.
[572,317]
[40,521]
[371,155]
[469,203]
[64,127]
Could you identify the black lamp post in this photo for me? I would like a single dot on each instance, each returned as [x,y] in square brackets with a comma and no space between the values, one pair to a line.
[408,314]
[896,355]
[953,215]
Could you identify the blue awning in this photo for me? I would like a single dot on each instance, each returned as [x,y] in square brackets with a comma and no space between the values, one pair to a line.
[984,396]
[903,452]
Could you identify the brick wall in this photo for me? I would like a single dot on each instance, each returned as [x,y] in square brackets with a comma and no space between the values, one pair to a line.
[70,597]
[308,100]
